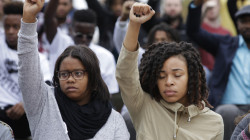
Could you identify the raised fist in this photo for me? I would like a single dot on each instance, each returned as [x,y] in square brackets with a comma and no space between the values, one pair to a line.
[140,13]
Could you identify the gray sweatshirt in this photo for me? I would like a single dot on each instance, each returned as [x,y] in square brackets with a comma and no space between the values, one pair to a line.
[40,104]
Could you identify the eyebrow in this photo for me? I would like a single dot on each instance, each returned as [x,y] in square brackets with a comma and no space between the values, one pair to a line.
[177,69]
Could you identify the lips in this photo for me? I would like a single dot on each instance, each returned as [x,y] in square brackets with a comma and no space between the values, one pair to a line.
[169,92]
[71,88]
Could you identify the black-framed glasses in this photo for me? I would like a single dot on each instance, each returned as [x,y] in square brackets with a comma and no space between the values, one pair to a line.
[81,35]
[77,74]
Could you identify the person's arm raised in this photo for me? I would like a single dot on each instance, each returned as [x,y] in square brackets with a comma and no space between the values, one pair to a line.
[30,78]
[139,14]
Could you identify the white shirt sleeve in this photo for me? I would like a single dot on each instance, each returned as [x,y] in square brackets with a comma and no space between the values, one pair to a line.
[119,33]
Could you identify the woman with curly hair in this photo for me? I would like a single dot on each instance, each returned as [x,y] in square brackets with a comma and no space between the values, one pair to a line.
[167,96]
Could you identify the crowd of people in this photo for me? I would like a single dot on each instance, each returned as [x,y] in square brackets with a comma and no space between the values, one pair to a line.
[123,69]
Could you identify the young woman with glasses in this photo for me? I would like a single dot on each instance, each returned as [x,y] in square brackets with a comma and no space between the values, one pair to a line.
[77,107]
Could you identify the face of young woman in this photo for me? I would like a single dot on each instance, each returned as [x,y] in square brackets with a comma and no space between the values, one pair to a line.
[161,36]
[173,80]
[75,89]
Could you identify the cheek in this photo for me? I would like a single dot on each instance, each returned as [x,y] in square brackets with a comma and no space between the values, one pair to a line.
[62,84]
[160,84]
[83,84]
[183,84]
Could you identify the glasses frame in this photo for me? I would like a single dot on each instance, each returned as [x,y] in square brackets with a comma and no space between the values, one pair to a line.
[71,73]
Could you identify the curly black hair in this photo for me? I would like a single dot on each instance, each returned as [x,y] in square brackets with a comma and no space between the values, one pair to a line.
[152,62]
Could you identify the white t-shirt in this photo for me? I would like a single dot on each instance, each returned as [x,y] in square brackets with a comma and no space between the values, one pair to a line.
[60,42]
[10,93]
[107,66]
[107,61]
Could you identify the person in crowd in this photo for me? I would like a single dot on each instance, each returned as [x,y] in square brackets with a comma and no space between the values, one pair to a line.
[167,96]
[6,132]
[106,18]
[242,130]
[64,14]
[63,18]
[82,30]
[11,104]
[160,33]
[233,6]
[230,81]
[78,104]
[211,23]
[172,15]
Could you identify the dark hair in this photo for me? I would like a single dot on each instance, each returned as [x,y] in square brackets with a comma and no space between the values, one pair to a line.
[152,62]
[172,33]
[13,7]
[96,85]
[83,15]
[239,118]
[109,3]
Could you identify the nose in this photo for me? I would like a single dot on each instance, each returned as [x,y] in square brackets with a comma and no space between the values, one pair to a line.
[169,81]
[84,38]
[11,30]
[71,78]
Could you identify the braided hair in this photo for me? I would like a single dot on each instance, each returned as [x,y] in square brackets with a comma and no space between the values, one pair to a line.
[153,60]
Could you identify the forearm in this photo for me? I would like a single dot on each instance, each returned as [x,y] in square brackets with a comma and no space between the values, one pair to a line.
[29,75]
[131,37]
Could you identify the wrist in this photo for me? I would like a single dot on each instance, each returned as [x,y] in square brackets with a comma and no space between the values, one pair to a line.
[27,18]
[135,25]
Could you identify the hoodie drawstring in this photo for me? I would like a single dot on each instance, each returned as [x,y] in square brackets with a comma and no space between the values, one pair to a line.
[189,119]
[175,119]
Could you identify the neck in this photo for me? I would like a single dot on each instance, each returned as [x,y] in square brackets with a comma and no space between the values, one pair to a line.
[213,23]
[175,23]
[247,41]
[61,20]
[13,47]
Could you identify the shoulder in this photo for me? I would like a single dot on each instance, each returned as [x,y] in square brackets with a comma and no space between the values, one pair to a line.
[211,113]
[99,50]
[61,38]
[116,115]
[214,119]
[116,118]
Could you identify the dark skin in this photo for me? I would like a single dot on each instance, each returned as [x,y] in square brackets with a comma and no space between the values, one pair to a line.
[86,30]
[243,24]
[12,24]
